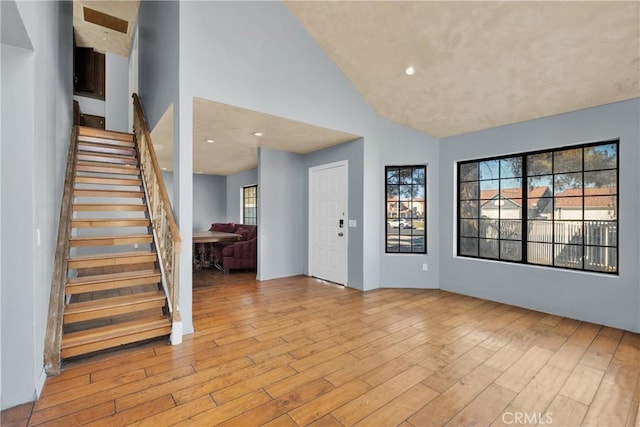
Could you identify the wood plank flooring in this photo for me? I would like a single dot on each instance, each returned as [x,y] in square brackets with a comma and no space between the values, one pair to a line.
[298,352]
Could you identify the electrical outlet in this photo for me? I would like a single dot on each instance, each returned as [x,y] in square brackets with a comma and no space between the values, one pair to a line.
[135,246]
[425,267]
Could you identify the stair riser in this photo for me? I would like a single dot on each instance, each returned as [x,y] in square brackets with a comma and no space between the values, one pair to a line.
[111,262]
[107,193]
[110,223]
[106,149]
[112,284]
[84,157]
[110,241]
[112,311]
[84,132]
[108,181]
[89,207]
[97,168]
[114,342]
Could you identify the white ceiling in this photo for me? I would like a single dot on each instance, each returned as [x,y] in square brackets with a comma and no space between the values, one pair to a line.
[235,146]
[480,64]
[103,39]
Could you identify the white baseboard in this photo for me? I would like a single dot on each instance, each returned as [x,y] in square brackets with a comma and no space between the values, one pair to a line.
[40,383]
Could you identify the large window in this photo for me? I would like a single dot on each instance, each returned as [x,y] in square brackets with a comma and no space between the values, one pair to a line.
[555,208]
[406,209]
[250,205]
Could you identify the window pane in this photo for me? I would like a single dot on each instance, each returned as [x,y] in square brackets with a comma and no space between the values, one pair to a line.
[603,208]
[406,175]
[417,242]
[469,190]
[419,176]
[540,253]
[489,189]
[489,169]
[490,208]
[511,229]
[489,228]
[567,160]
[488,248]
[569,256]
[511,250]
[469,227]
[601,182]
[393,243]
[511,167]
[510,208]
[468,172]
[566,208]
[469,209]
[567,232]
[539,164]
[540,231]
[393,208]
[601,157]
[393,176]
[601,259]
[539,186]
[540,208]
[469,247]
[405,192]
[417,192]
[600,233]
[568,184]
[416,209]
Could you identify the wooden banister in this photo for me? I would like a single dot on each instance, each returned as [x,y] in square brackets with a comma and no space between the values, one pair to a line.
[167,235]
[53,337]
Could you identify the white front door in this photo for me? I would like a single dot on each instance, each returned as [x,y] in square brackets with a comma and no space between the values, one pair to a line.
[328,235]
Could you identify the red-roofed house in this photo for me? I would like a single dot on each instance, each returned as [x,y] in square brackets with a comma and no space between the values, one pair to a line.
[507,204]
[599,204]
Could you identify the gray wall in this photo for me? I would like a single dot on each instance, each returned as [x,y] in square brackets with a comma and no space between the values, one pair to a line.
[598,298]
[209,199]
[282,223]
[235,183]
[35,138]
[117,96]
[353,153]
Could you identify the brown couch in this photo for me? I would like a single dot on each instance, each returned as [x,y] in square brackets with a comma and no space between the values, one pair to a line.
[236,255]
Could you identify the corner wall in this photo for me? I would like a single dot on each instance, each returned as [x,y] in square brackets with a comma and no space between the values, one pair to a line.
[35,136]
[598,298]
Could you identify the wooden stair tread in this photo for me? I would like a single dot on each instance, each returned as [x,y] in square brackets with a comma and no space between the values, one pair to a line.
[93,147]
[110,222]
[90,340]
[107,158]
[124,239]
[105,134]
[99,278]
[102,207]
[81,192]
[88,261]
[85,166]
[83,179]
[114,306]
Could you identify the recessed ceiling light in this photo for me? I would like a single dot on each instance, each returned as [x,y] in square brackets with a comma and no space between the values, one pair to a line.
[210,141]
[257,133]
[410,70]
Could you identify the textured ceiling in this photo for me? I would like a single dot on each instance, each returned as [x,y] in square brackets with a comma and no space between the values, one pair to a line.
[235,146]
[480,64]
[103,39]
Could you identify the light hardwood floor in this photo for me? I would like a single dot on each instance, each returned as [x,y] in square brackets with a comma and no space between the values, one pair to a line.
[297,352]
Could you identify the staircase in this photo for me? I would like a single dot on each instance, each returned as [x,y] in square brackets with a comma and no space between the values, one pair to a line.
[113,292]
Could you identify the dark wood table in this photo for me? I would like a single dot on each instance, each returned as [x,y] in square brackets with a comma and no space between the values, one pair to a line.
[202,248]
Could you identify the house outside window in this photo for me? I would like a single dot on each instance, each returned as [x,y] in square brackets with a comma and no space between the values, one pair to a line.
[554,208]
[250,205]
[405,209]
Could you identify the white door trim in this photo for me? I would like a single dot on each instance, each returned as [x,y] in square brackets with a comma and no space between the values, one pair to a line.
[340,163]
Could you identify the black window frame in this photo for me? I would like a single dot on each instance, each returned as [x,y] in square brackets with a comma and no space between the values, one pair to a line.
[524,217]
[244,206]
[412,217]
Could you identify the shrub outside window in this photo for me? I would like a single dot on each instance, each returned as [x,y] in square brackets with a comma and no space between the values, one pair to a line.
[555,208]
[405,210]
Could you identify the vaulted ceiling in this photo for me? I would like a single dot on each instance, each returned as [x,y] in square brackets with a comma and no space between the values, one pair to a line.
[479,64]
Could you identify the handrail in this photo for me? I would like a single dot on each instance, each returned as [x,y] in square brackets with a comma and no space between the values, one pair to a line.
[167,235]
[53,337]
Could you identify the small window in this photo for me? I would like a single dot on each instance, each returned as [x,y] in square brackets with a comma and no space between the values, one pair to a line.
[405,211]
[250,205]
[557,208]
